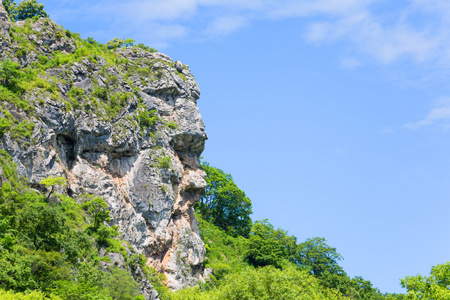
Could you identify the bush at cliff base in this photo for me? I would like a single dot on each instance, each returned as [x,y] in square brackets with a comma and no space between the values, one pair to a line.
[35,295]
[264,284]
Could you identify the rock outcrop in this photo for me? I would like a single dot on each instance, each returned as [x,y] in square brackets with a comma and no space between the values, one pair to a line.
[122,124]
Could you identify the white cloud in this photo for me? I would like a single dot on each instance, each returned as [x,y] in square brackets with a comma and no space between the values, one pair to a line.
[140,11]
[415,30]
[350,63]
[253,5]
[225,25]
[439,114]
[302,8]
[385,42]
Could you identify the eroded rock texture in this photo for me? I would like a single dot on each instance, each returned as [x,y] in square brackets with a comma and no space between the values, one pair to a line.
[94,134]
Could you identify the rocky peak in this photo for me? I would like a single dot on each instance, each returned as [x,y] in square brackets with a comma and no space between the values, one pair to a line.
[121,124]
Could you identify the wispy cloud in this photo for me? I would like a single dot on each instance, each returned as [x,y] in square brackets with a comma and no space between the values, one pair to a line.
[303,8]
[385,42]
[416,30]
[438,115]
[350,63]
[225,25]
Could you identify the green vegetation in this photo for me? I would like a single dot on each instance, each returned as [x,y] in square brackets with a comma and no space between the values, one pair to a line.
[269,247]
[51,182]
[258,261]
[21,85]
[25,10]
[119,43]
[164,162]
[265,283]
[224,204]
[34,295]
[146,118]
[172,125]
[52,249]
[435,286]
[236,277]
[146,48]
[320,258]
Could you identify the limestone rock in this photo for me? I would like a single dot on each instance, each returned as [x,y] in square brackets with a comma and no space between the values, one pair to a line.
[93,126]
[5,25]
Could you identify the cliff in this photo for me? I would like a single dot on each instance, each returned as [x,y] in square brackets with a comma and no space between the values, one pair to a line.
[122,124]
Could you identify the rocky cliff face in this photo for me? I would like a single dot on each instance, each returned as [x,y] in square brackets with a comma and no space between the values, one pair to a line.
[121,124]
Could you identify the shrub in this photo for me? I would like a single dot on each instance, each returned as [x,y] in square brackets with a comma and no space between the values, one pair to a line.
[115,43]
[34,295]
[146,48]
[27,9]
[147,118]
[164,162]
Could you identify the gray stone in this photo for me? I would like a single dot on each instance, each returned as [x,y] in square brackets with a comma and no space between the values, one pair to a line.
[116,159]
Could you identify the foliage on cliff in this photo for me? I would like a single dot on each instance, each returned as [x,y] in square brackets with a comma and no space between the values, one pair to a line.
[224,204]
[25,10]
[234,277]
[57,247]
[264,262]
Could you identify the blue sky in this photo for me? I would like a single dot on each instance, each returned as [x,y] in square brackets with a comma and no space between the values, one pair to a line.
[332,115]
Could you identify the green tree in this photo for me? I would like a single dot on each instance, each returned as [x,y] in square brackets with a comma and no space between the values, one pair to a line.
[25,10]
[29,9]
[97,209]
[51,182]
[318,256]
[15,271]
[115,43]
[121,285]
[42,226]
[365,289]
[436,286]
[340,282]
[267,246]
[354,288]
[88,284]
[224,204]
[119,43]
[11,8]
[129,42]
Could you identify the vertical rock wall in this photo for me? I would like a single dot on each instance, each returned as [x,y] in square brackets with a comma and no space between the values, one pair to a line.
[148,175]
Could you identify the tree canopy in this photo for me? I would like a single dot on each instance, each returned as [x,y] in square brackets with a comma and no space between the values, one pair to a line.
[25,10]
[51,182]
[435,286]
[224,204]
[267,246]
[318,256]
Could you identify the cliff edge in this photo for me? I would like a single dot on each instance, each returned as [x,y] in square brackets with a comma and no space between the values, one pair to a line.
[120,123]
